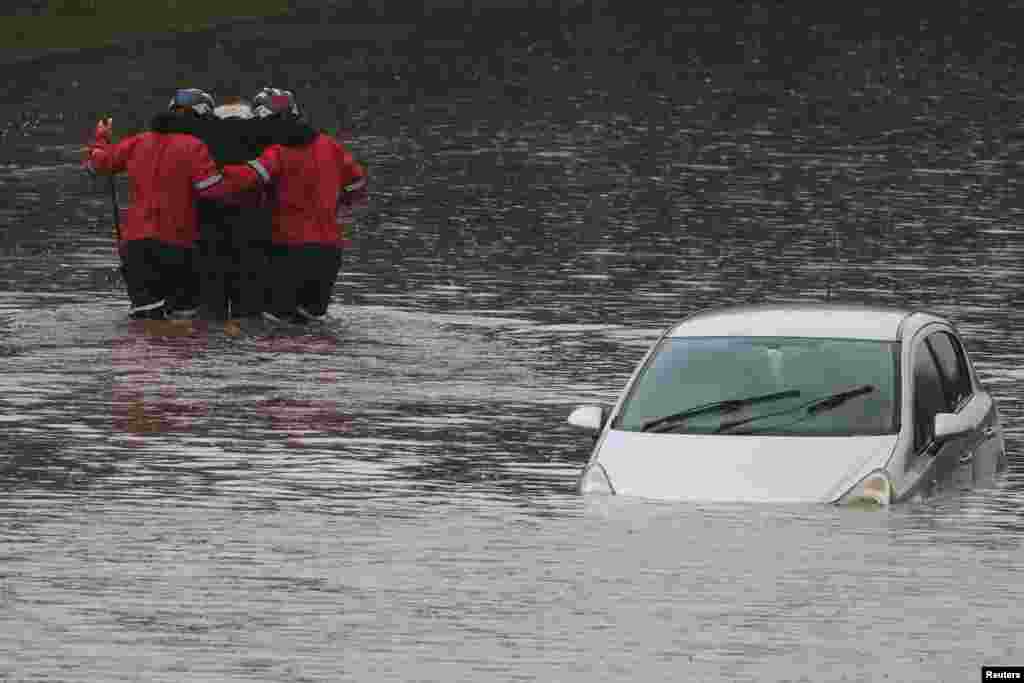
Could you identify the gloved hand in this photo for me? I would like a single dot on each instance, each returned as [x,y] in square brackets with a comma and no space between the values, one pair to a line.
[355,194]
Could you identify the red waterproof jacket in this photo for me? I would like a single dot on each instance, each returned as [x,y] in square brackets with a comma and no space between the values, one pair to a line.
[168,172]
[311,183]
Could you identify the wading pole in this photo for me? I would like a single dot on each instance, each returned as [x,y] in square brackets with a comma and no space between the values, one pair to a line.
[116,208]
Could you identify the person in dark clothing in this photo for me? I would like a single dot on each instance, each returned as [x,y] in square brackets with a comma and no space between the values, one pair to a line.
[244,228]
[234,239]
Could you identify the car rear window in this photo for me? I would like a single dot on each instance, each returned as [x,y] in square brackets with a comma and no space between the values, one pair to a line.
[686,373]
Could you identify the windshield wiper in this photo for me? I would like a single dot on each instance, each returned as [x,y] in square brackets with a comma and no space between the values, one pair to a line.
[725,406]
[811,407]
[838,398]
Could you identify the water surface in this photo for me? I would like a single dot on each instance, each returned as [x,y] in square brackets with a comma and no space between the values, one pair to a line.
[390,496]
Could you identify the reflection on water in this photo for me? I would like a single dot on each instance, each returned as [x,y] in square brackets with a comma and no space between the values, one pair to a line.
[389,496]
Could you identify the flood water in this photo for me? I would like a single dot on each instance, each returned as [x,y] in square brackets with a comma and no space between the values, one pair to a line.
[390,496]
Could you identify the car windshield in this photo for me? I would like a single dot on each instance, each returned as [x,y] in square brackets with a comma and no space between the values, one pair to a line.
[790,386]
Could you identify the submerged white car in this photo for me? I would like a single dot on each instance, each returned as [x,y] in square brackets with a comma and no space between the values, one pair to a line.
[798,403]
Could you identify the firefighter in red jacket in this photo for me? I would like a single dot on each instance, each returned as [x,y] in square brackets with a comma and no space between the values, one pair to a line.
[168,172]
[311,183]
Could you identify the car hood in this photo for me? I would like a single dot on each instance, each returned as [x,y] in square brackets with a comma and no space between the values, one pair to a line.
[741,467]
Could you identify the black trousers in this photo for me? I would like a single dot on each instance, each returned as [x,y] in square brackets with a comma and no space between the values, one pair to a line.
[232,258]
[302,277]
[159,277]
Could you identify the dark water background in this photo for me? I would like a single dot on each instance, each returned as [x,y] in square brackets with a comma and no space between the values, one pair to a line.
[390,497]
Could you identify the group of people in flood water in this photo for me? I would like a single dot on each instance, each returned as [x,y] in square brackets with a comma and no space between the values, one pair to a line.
[234,211]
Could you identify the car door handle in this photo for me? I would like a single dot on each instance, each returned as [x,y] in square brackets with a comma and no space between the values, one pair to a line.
[966,457]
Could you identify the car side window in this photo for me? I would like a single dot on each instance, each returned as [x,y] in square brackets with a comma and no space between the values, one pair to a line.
[929,396]
[953,366]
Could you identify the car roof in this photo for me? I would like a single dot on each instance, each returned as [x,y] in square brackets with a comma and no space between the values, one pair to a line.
[801,320]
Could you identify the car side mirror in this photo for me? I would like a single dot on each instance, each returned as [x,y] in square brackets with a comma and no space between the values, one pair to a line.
[948,425]
[588,417]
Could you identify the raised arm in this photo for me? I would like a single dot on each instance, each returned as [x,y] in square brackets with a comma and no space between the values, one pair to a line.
[101,156]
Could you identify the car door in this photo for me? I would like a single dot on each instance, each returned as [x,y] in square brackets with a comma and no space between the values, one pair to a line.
[929,397]
[958,391]
[989,451]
